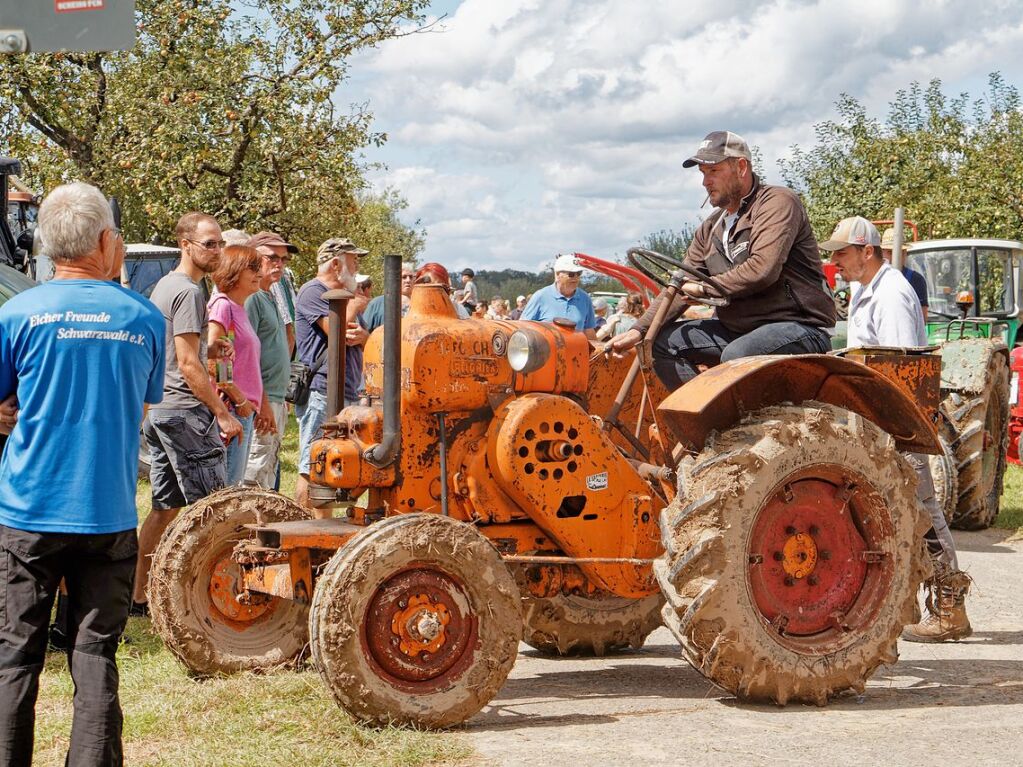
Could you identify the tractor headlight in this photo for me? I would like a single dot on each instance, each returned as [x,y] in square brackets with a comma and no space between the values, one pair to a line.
[527,351]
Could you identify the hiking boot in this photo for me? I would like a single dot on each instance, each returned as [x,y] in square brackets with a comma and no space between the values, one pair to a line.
[946,611]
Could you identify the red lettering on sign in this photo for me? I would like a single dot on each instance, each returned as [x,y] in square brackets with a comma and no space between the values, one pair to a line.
[71,6]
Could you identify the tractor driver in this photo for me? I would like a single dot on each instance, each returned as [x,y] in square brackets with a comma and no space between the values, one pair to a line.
[759,248]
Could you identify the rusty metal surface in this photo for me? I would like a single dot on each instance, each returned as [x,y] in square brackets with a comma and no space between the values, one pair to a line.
[917,375]
[268,579]
[592,504]
[419,631]
[606,377]
[305,533]
[720,397]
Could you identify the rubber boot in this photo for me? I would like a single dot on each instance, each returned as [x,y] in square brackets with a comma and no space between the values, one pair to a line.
[946,611]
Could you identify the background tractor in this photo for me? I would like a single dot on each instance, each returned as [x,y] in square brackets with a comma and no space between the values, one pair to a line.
[973,288]
[502,482]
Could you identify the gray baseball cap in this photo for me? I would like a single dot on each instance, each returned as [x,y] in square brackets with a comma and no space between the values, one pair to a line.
[717,146]
[855,230]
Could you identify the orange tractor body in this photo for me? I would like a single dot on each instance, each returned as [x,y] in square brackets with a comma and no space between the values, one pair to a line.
[500,481]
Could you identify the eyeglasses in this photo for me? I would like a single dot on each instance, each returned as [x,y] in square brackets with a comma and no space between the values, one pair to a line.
[275,257]
[208,244]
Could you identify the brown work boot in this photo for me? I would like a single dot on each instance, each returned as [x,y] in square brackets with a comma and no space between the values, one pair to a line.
[946,610]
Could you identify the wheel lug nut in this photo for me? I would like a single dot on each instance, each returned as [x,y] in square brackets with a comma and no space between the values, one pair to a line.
[814,530]
[402,604]
[812,580]
[825,555]
[789,580]
[790,530]
[778,556]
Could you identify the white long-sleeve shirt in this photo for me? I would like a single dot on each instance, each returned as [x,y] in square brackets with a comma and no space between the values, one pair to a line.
[886,312]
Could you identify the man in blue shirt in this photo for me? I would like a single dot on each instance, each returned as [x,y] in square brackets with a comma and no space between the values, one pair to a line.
[338,263]
[563,299]
[82,354]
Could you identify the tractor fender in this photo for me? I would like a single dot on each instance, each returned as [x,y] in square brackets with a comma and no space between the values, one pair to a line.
[723,395]
[964,363]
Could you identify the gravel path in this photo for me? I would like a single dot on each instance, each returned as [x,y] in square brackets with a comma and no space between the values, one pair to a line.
[959,703]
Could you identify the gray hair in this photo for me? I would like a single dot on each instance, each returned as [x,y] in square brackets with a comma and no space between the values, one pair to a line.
[71,220]
[236,237]
[408,266]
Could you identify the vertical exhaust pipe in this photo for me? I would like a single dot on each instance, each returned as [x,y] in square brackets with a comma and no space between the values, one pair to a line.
[386,451]
[337,324]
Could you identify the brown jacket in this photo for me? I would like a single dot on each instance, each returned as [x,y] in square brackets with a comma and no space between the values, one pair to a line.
[774,274]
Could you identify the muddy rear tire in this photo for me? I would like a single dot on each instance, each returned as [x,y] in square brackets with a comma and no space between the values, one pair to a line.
[570,624]
[193,582]
[793,554]
[415,621]
[982,437]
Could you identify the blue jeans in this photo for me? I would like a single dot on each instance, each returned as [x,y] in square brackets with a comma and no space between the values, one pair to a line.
[310,418]
[681,346]
[238,451]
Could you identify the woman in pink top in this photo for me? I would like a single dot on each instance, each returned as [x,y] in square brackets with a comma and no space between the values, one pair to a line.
[237,278]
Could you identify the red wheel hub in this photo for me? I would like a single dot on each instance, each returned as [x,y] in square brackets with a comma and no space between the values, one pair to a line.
[816,566]
[224,588]
[419,630]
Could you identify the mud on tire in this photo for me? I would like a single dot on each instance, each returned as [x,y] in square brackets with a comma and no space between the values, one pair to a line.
[981,424]
[374,597]
[943,469]
[192,582]
[569,624]
[789,488]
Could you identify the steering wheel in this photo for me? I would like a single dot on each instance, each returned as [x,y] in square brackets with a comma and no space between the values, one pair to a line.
[643,259]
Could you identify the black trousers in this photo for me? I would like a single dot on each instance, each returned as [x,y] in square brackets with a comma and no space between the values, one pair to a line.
[99,571]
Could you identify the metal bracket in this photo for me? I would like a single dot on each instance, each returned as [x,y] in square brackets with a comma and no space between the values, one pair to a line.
[13,41]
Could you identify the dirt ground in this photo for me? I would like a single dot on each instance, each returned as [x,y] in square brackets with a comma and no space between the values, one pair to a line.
[960,703]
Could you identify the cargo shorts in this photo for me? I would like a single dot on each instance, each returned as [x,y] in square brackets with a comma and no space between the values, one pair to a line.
[187,456]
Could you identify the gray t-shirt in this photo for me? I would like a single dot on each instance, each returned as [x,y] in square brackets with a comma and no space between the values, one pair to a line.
[274,358]
[183,306]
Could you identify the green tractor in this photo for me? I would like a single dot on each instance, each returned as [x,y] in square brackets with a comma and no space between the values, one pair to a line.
[973,289]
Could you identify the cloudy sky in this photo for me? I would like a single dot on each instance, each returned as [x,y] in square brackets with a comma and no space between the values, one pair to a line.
[519,129]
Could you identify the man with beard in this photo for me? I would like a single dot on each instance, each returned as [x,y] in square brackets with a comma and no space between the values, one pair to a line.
[274,367]
[759,247]
[338,263]
[185,445]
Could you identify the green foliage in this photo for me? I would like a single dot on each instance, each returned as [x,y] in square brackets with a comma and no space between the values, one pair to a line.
[954,164]
[215,110]
[670,243]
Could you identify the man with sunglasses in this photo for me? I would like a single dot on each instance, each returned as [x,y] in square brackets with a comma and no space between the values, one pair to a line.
[187,431]
[564,299]
[759,248]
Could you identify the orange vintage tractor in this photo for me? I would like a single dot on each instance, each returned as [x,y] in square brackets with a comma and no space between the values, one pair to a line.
[496,488]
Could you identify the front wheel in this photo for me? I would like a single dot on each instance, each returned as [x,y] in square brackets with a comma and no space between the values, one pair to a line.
[573,624]
[194,584]
[415,621]
[794,551]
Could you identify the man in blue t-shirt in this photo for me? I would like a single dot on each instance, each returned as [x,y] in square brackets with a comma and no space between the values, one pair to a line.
[563,299]
[82,355]
[337,264]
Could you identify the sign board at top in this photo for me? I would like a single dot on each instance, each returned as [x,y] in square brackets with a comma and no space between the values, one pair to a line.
[66,25]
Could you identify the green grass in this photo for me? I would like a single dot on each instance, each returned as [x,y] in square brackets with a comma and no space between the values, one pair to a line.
[1011,515]
[173,720]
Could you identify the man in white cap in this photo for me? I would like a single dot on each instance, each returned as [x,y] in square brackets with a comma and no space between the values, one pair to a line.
[759,248]
[563,299]
[520,304]
[884,311]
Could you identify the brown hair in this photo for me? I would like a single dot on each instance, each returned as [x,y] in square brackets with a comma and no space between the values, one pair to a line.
[234,260]
[633,305]
[189,222]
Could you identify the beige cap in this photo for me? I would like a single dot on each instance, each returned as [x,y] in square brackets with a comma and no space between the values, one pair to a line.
[852,231]
[335,246]
[888,239]
[717,146]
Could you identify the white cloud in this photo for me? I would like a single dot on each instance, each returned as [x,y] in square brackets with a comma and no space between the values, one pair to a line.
[543,126]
